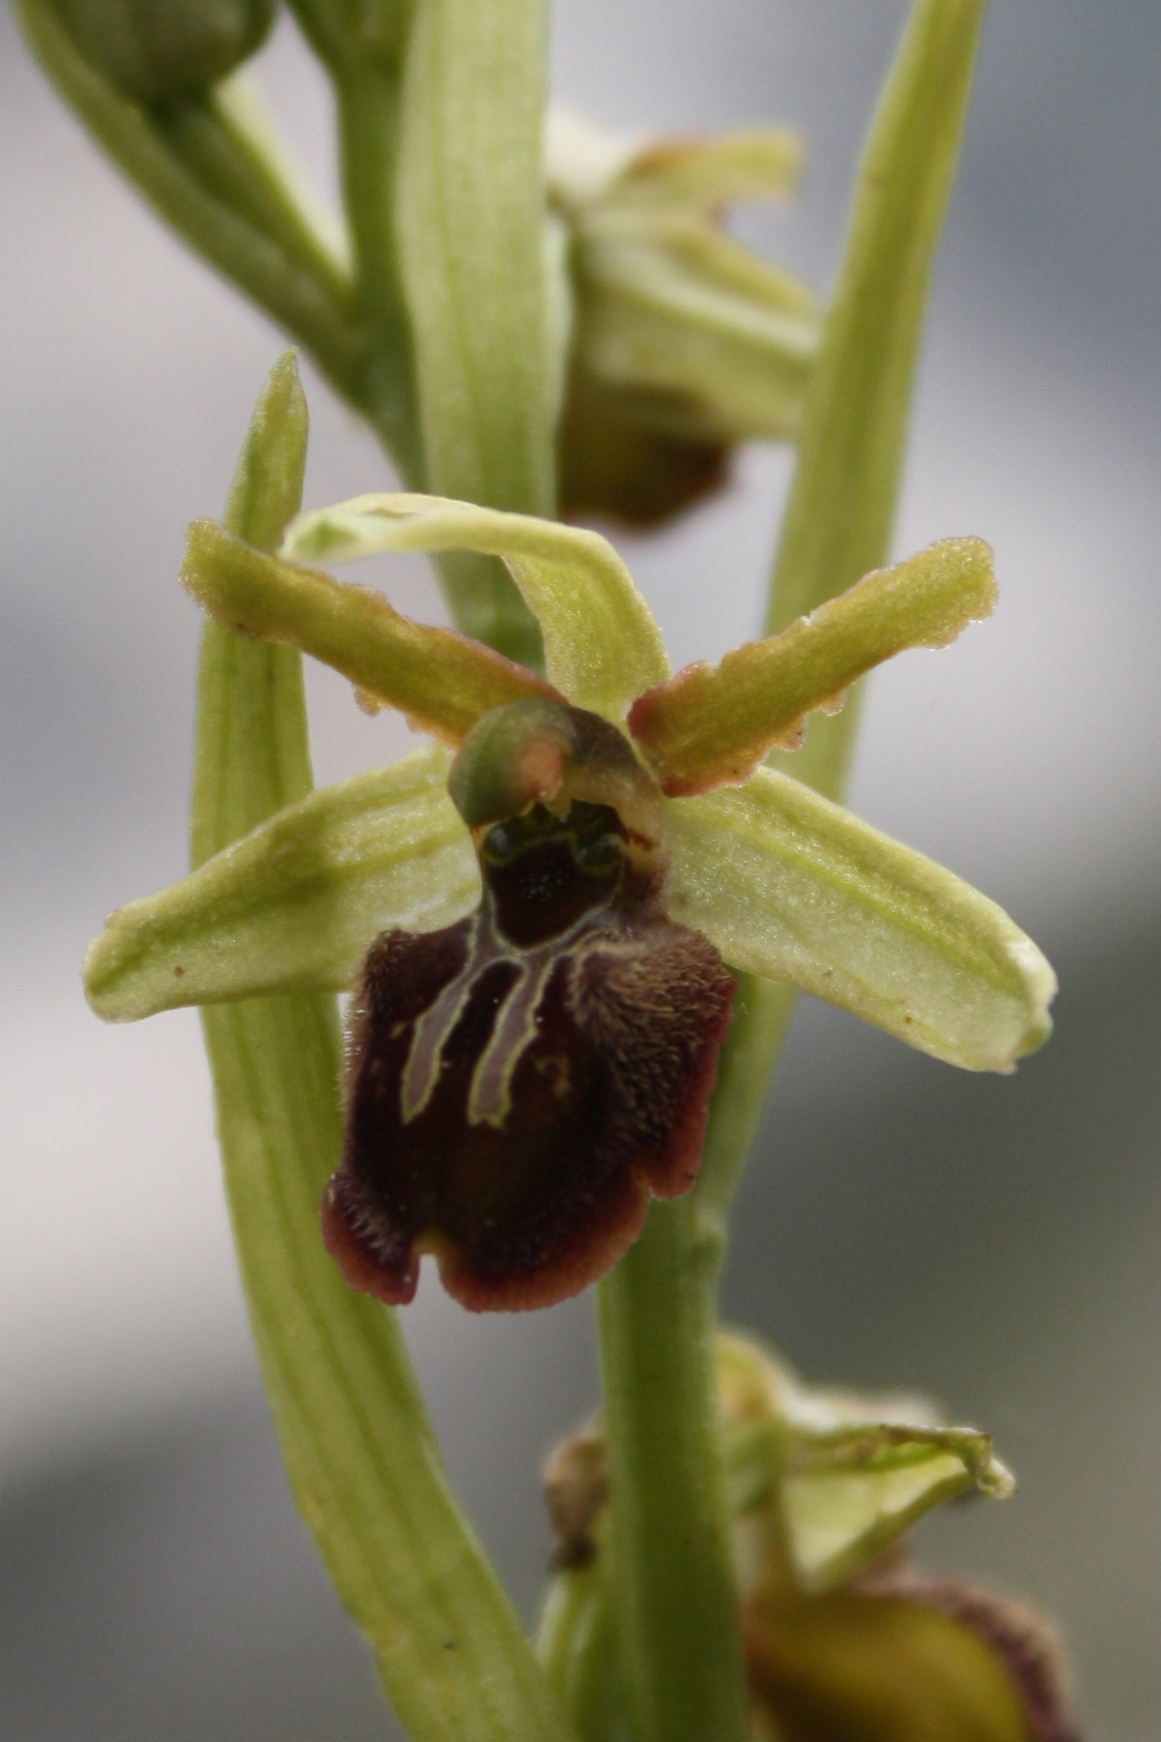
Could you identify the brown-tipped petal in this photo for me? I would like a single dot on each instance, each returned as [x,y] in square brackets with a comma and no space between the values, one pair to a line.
[512,1110]
[711,726]
[442,681]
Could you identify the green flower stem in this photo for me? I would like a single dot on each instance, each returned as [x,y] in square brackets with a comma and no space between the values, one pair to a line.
[271,271]
[679,1637]
[470,205]
[658,1308]
[360,1452]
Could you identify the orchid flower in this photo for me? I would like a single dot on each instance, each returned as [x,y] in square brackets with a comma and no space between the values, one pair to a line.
[535,911]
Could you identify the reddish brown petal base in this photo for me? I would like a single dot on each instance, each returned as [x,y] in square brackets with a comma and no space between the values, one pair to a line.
[513,1111]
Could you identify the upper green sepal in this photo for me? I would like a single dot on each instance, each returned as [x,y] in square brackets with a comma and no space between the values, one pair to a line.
[601,642]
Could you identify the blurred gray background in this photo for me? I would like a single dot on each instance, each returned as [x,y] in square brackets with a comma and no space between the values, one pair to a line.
[994,1241]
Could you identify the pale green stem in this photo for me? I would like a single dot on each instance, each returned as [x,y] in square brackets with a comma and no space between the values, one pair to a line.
[679,1639]
[361,1455]
[224,138]
[658,1308]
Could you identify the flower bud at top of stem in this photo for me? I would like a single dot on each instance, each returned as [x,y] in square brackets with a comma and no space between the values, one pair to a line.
[153,49]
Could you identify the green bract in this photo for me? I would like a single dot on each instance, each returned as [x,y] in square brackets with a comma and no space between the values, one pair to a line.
[787,885]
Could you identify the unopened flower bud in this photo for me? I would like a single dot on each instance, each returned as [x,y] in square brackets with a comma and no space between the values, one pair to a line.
[153,49]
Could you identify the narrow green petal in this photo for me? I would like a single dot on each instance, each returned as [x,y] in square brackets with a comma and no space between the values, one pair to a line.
[294,904]
[712,725]
[439,679]
[795,889]
[601,642]
[705,174]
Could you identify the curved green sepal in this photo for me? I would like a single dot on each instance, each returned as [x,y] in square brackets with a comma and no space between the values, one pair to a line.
[712,725]
[601,642]
[848,1472]
[294,904]
[439,679]
[793,888]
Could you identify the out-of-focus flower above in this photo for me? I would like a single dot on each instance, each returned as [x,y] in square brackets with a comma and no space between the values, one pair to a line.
[680,342]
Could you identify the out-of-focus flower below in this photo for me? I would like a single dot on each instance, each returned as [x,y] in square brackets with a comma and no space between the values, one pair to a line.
[844,1641]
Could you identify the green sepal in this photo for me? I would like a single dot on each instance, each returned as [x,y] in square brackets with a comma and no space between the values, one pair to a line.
[711,725]
[601,642]
[704,174]
[671,309]
[795,889]
[294,904]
